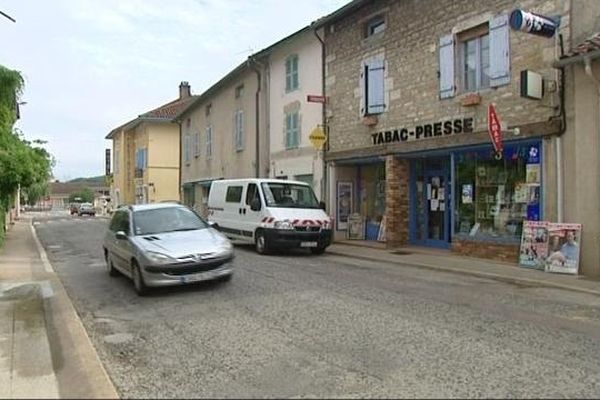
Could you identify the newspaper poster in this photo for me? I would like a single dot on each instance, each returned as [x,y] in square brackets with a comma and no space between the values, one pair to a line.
[564,248]
[534,245]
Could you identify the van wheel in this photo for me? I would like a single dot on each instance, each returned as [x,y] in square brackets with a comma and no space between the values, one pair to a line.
[317,250]
[138,280]
[261,243]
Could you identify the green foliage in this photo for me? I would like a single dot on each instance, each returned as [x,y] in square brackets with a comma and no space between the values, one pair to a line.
[22,162]
[85,195]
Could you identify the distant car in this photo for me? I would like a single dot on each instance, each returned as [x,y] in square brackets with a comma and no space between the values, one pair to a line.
[165,244]
[86,209]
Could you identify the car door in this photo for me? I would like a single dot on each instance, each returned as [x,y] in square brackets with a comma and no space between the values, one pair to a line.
[120,248]
[251,218]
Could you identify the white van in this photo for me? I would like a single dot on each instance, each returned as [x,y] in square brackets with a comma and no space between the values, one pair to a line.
[270,213]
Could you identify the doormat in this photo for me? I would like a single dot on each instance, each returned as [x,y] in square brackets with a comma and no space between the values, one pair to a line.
[401,252]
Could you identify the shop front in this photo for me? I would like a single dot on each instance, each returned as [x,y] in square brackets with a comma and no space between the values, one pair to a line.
[360,200]
[471,197]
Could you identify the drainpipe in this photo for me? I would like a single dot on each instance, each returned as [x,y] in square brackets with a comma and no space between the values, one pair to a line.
[257,68]
[324,186]
[558,139]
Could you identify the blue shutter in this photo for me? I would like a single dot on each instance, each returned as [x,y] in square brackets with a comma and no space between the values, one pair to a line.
[499,51]
[446,54]
[375,87]
[295,129]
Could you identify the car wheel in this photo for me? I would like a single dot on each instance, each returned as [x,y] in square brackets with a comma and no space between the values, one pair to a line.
[138,280]
[110,266]
[317,250]
[262,246]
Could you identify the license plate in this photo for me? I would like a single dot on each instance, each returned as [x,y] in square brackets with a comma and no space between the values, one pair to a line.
[198,277]
[308,244]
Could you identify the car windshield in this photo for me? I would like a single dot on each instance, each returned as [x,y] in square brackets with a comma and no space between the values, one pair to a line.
[168,219]
[289,195]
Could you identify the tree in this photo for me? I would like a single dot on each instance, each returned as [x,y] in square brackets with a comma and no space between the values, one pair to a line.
[85,195]
[22,163]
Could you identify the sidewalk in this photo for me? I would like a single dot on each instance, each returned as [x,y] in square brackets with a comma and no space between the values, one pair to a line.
[44,349]
[445,261]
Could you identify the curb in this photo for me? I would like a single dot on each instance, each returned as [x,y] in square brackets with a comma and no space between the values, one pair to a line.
[460,271]
[64,321]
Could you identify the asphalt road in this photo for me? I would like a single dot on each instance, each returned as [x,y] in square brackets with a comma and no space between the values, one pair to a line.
[298,325]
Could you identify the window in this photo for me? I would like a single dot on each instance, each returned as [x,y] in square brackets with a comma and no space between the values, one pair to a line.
[209,141]
[141,159]
[187,141]
[289,195]
[239,130]
[291,73]
[234,194]
[120,222]
[208,110]
[375,26]
[483,58]
[475,62]
[239,91]
[197,144]
[372,76]
[251,193]
[292,131]
[493,197]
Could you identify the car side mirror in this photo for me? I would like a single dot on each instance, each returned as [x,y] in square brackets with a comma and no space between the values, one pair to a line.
[322,205]
[255,205]
[121,235]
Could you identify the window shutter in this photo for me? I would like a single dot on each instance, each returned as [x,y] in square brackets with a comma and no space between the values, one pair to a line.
[295,129]
[363,82]
[447,86]
[499,51]
[375,87]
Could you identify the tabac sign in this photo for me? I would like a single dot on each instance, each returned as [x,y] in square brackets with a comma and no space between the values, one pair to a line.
[436,129]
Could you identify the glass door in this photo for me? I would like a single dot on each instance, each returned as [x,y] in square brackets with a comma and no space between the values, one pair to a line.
[430,187]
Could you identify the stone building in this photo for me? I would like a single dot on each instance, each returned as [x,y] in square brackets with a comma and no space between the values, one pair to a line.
[410,84]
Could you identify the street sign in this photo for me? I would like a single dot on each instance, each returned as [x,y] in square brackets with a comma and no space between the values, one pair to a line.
[317,137]
[313,98]
[494,129]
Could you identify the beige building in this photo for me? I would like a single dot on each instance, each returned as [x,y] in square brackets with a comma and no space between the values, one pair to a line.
[146,154]
[410,153]
[223,133]
[581,141]
[295,73]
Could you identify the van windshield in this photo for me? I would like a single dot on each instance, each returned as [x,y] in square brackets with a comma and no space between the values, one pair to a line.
[289,195]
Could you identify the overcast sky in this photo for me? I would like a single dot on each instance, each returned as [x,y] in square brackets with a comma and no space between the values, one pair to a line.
[91,65]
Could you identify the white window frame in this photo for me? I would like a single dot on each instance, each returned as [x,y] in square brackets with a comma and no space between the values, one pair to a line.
[292,133]
[481,83]
[292,79]
[238,130]
[208,148]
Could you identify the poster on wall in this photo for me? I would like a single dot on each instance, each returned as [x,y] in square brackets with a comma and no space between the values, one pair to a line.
[344,204]
[534,245]
[564,248]
[356,227]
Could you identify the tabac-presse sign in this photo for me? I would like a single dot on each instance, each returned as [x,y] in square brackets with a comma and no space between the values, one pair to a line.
[495,129]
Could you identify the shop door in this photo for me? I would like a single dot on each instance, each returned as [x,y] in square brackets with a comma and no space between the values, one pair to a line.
[431,207]
[436,184]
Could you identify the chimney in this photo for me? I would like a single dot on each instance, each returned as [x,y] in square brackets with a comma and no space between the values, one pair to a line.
[184,90]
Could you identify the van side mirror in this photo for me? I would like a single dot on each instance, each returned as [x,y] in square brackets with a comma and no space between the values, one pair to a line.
[121,235]
[322,205]
[255,205]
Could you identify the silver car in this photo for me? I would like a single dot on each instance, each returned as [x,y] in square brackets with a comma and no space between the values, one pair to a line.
[163,245]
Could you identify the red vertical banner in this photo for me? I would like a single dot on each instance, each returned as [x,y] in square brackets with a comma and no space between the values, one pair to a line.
[494,129]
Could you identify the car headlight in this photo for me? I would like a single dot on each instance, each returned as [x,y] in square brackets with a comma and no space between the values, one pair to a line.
[283,225]
[225,247]
[159,258]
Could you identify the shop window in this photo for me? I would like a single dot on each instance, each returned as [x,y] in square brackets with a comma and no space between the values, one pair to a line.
[371,190]
[494,197]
